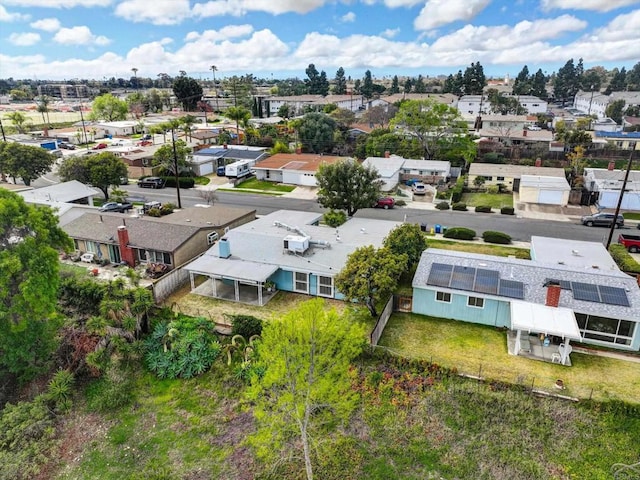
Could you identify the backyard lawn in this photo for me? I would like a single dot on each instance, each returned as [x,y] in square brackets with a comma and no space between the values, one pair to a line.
[493,200]
[481,350]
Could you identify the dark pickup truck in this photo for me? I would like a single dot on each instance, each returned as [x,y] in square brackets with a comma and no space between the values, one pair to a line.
[631,242]
[116,207]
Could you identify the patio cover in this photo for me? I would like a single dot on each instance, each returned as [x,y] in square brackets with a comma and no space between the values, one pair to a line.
[231,268]
[534,317]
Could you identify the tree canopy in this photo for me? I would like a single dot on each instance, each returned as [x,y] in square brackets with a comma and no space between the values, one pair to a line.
[188,92]
[163,156]
[347,185]
[316,132]
[29,242]
[340,82]
[317,83]
[306,386]
[24,161]
[409,240]
[101,170]
[109,108]
[370,276]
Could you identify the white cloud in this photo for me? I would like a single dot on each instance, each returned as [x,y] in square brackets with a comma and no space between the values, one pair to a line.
[506,37]
[58,3]
[158,12]
[623,27]
[390,32]
[216,8]
[225,33]
[597,5]
[79,36]
[24,39]
[47,24]
[348,17]
[11,17]
[441,12]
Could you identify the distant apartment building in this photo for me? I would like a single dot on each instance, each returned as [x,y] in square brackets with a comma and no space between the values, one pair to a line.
[64,91]
[474,104]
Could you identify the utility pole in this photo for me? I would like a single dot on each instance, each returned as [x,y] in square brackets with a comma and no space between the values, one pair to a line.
[624,187]
[84,127]
[4,139]
[175,165]
[135,76]
[215,87]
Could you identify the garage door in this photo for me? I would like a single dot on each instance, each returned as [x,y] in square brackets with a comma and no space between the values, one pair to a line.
[550,197]
[206,168]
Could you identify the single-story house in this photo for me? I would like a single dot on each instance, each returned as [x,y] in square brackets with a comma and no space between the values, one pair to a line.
[65,192]
[622,140]
[299,103]
[287,249]
[293,168]
[169,240]
[544,190]
[608,185]
[605,125]
[207,160]
[597,305]
[116,129]
[388,168]
[509,175]
[427,171]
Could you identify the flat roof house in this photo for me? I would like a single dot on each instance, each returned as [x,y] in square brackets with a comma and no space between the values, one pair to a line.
[288,248]
[608,185]
[509,175]
[206,161]
[293,168]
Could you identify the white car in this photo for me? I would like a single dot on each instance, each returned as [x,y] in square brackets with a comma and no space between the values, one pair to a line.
[534,128]
[419,189]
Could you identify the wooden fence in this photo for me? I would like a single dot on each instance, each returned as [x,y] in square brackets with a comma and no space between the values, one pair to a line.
[169,283]
[376,333]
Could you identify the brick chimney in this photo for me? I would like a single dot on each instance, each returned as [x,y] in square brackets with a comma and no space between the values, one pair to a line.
[126,252]
[538,162]
[387,154]
[524,132]
[553,294]
[225,146]
[298,151]
[611,166]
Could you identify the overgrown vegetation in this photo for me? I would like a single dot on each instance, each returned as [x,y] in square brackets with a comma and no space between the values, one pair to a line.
[623,259]
[335,218]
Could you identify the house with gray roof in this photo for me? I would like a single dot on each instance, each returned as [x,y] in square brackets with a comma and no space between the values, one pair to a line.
[287,249]
[569,290]
[65,192]
[608,185]
[207,160]
[170,240]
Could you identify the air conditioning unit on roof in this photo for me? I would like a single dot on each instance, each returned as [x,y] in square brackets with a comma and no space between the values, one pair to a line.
[296,243]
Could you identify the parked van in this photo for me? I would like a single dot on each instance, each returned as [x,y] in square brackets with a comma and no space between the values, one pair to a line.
[239,169]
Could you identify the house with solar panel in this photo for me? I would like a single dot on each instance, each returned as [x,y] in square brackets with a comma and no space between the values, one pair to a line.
[568,291]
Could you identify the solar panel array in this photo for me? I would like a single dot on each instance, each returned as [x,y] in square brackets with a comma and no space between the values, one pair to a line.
[474,280]
[596,293]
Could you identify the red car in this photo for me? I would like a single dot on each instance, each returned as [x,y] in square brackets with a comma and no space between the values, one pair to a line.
[385,202]
[144,143]
[100,146]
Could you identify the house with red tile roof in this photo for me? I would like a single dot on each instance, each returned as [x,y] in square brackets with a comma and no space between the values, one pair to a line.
[293,168]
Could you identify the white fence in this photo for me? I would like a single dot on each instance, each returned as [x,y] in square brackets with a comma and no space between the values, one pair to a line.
[169,283]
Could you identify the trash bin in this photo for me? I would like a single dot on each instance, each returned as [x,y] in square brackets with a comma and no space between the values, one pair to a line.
[423,227]
[438,228]
[444,229]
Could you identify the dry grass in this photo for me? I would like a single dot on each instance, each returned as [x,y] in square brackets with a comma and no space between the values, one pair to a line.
[483,248]
[481,350]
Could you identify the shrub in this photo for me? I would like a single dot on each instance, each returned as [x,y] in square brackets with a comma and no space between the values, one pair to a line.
[167,208]
[496,237]
[245,325]
[400,203]
[507,211]
[456,192]
[624,259]
[185,182]
[442,195]
[335,218]
[443,206]
[493,189]
[112,391]
[462,207]
[59,390]
[154,212]
[493,157]
[483,209]
[460,233]
[184,347]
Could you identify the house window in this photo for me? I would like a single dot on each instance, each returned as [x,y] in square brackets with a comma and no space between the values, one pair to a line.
[500,179]
[153,256]
[609,330]
[443,297]
[476,302]
[325,286]
[488,179]
[301,282]
[91,246]
[212,237]
[268,174]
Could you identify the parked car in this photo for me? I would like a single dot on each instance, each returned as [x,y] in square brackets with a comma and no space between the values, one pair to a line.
[144,143]
[115,207]
[419,189]
[66,145]
[534,128]
[151,182]
[631,242]
[100,146]
[150,205]
[385,202]
[602,220]
[146,137]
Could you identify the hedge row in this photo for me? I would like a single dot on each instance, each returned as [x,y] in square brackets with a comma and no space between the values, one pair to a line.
[460,233]
[501,238]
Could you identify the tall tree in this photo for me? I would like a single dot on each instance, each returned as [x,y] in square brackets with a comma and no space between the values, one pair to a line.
[474,79]
[239,115]
[306,357]
[340,83]
[633,78]
[30,239]
[24,161]
[343,117]
[567,82]
[19,120]
[240,89]
[101,170]
[109,108]
[317,83]
[615,110]
[419,86]
[395,87]
[43,107]
[409,240]
[504,105]
[188,92]
[522,84]
[539,85]
[618,82]
[458,84]
[437,126]
[408,84]
[357,86]
[316,132]
[448,86]
[367,85]
[370,276]
[591,80]
[347,185]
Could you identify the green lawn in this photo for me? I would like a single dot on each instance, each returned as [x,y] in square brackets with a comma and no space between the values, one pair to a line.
[497,250]
[631,216]
[202,180]
[255,184]
[493,200]
[480,350]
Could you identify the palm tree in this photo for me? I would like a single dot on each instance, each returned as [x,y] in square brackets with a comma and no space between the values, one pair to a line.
[43,107]
[238,114]
[135,76]
[187,121]
[18,119]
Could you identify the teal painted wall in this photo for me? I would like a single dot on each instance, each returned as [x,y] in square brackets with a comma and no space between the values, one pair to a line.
[495,312]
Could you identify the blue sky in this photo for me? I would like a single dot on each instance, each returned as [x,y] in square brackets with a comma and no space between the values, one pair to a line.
[65,39]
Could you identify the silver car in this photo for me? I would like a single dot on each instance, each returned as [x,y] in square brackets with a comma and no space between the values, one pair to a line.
[602,220]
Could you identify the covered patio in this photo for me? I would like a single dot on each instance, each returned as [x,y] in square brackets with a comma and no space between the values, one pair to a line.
[231,279]
[542,332]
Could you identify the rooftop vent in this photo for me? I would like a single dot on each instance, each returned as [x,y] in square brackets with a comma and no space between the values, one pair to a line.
[296,244]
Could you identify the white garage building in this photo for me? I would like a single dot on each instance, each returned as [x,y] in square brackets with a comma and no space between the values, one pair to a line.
[544,190]
[608,184]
